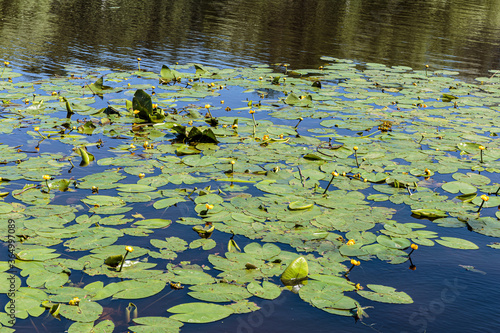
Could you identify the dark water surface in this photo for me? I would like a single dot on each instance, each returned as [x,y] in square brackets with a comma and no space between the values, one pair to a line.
[45,37]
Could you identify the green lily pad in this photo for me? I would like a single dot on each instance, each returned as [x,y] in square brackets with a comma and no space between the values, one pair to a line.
[385,294]
[199,313]
[457,243]
[156,325]
[296,271]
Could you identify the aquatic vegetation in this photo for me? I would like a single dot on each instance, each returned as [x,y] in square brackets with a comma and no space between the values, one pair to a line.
[317,166]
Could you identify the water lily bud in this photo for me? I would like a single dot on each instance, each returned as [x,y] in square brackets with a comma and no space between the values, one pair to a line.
[129,248]
[233,162]
[414,246]
[351,242]
[6,63]
[335,173]
[208,206]
[221,102]
[353,262]
[46,177]
[235,126]
[481,147]
[37,129]
[141,175]
[139,59]
[355,147]
[251,111]
[132,146]
[485,197]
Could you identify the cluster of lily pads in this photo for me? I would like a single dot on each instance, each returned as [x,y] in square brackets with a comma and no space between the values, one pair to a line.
[277,156]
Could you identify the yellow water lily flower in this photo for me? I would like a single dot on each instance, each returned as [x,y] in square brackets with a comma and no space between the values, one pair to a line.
[46,177]
[129,248]
[74,301]
[351,242]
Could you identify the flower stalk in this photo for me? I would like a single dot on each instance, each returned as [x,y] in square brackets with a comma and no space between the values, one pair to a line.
[485,198]
[334,174]
[413,248]
[127,250]
[356,155]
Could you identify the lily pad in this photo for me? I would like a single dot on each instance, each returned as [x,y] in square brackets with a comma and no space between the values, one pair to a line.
[199,313]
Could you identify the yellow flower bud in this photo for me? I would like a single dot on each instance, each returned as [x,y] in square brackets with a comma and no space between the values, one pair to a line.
[208,206]
[139,59]
[351,242]
[6,63]
[46,177]
[481,147]
[353,262]
[141,175]
[221,102]
[233,162]
[129,248]
[37,129]
[207,106]
[485,197]
[414,246]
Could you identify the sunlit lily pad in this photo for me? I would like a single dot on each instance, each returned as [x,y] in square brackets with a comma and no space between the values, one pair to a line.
[385,294]
[198,313]
[457,243]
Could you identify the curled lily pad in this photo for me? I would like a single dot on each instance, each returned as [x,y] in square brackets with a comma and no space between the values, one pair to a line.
[296,271]
[429,212]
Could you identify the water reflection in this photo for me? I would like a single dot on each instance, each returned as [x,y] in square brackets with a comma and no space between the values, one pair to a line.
[44,35]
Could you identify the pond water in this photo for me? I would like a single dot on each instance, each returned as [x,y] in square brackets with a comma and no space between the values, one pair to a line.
[42,37]
[46,38]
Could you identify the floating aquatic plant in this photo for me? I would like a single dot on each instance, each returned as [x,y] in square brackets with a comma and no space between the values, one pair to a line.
[146,149]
